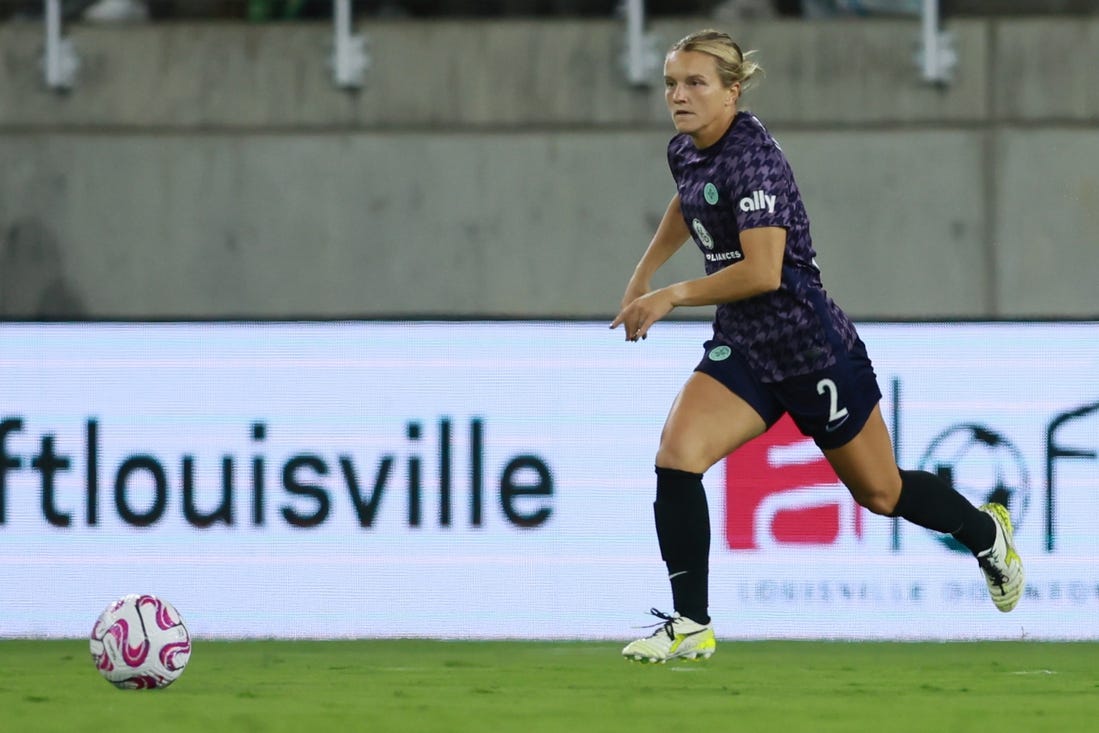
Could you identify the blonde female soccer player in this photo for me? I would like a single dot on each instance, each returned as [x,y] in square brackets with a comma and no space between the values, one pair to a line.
[780,345]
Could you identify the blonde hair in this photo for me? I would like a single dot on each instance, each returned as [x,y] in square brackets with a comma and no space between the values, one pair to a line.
[733,65]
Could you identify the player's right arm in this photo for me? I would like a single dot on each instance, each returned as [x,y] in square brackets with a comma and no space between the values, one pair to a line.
[670,235]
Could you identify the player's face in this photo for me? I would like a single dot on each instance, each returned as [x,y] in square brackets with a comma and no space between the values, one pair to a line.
[699,104]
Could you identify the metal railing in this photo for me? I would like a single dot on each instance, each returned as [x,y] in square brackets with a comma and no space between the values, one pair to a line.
[349,60]
[935,56]
[640,58]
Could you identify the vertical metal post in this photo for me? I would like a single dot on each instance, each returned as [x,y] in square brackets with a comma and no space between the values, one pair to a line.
[53,35]
[59,61]
[635,33]
[937,58]
[349,58]
[930,35]
[639,59]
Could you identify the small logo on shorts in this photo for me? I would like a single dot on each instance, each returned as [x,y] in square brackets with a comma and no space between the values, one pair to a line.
[834,425]
[720,353]
[710,192]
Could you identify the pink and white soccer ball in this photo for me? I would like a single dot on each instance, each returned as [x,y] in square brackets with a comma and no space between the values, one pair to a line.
[140,643]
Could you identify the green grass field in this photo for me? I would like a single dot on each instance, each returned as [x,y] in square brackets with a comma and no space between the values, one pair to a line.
[441,686]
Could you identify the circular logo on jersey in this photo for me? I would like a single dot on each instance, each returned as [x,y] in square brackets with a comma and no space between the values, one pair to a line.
[703,235]
[983,466]
[720,353]
[710,192]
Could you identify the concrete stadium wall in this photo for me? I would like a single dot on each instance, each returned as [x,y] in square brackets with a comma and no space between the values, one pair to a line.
[504,168]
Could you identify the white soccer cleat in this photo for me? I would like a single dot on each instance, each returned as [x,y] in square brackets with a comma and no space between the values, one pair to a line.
[1001,564]
[677,638]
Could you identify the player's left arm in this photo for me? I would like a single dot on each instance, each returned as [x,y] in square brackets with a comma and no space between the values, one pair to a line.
[759,272]
[762,213]
[764,177]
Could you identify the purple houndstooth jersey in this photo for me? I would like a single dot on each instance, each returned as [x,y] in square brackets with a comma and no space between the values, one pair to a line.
[741,182]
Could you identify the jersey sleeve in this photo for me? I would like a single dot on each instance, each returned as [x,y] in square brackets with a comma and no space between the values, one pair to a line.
[764,194]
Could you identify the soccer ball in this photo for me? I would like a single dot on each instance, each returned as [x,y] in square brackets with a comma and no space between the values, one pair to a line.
[140,643]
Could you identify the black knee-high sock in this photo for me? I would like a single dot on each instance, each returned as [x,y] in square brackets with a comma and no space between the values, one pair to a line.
[683,530]
[930,502]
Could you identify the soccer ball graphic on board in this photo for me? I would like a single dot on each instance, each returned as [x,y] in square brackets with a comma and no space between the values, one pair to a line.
[140,643]
[983,466]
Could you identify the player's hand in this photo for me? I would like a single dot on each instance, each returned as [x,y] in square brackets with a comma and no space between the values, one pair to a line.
[641,313]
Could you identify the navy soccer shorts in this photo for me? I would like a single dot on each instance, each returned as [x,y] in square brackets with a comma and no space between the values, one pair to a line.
[830,406]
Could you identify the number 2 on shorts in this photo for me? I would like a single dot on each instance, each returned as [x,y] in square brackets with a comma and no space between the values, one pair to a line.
[835,412]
